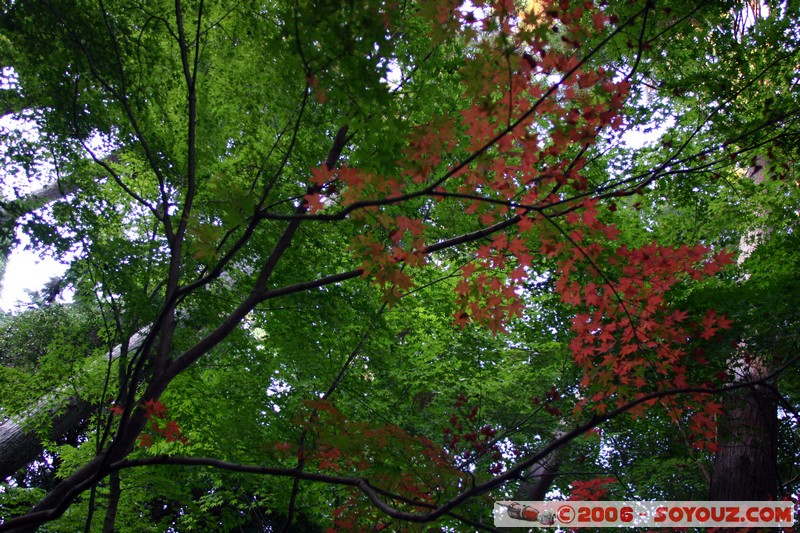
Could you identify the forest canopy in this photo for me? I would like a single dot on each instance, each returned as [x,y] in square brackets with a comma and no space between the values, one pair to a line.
[374,265]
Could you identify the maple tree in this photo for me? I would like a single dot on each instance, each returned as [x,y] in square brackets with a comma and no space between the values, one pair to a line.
[292,220]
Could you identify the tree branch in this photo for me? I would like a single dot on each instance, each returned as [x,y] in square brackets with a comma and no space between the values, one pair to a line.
[374,493]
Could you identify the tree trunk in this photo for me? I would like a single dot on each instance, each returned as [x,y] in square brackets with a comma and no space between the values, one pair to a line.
[113,502]
[538,478]
[20,443]
[745,465]
[537,481]
[11,211]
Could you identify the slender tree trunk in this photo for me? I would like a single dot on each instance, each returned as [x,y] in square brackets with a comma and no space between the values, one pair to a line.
[113,502]
[538,479]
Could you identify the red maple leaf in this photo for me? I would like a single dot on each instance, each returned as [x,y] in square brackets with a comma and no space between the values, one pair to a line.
[146,440]
[154,409]
[321,175]
[712,323]
[172,432]
[314,202]
[282,446]
[591,489]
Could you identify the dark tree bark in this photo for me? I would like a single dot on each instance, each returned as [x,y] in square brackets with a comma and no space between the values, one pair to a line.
[113,502]
[745,465]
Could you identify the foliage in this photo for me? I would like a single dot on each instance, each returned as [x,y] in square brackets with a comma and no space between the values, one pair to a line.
[362,265]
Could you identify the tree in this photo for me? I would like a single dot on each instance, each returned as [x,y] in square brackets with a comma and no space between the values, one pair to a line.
[746,465]
[319,214]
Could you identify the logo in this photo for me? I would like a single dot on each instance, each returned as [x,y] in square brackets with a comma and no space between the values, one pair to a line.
[644,514]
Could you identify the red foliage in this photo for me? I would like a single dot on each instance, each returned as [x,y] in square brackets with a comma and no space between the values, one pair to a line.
[155,410]
[590,490]
[393,460]
[627,339]
[470,440]
[513,156]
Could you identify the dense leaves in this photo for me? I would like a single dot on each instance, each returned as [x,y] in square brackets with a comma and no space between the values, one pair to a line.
[363,266]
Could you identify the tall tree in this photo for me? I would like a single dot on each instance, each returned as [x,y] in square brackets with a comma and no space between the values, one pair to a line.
[757,92]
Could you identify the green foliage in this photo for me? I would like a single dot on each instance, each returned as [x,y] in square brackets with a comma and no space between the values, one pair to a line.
[38,347]
[19,499]
[466,184]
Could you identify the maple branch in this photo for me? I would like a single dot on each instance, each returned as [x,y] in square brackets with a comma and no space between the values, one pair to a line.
[218,268]
[177,241]
[362,484]
[352,356]
[191,148]
[640,47]
[599,419]
[633,185]
[260,293]
[636,183]
[285,239]
[313,416]
[358,272]
[686,442]
[55,503]
[659,171]
[373,493]
[120,95]
[118,180]
[684,18]
[790,482]
[430,189]
[350,274]
[599,271]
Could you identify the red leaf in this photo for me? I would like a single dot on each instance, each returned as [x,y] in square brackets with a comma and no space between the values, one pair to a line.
[321,175]
[711,324]
[154,409]
[314,202]
[171,432]
[590,490]
[599,20]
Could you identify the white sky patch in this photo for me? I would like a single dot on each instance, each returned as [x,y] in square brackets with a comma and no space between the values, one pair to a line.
[641,136]
[26,271]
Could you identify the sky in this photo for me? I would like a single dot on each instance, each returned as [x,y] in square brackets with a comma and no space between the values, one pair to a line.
[26,270]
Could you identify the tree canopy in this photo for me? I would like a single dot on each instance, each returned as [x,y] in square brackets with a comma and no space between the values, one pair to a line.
[375,265]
